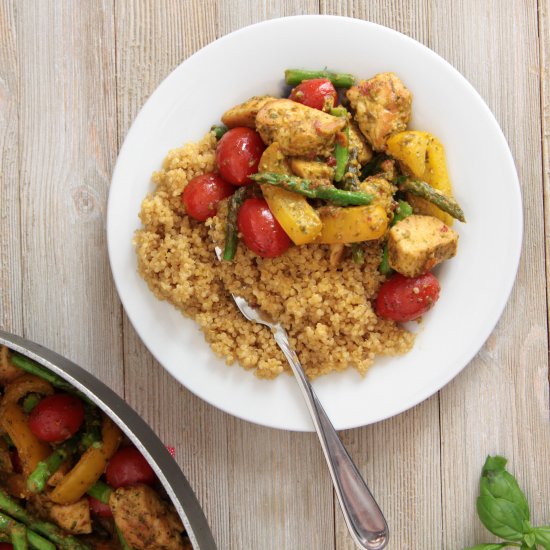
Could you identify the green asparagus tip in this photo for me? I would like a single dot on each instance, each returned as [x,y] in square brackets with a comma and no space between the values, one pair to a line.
[293,77]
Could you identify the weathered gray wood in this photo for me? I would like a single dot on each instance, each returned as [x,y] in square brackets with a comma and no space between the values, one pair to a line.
[152,39]
[499,404]
[67,147]
[72,78]
[11,310]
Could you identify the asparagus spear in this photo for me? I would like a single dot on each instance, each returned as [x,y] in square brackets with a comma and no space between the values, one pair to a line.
[18,537]
[30,402]
[46,468]
[16,532]
[313,190]
[100,491]
[403,210]
[341,149]
[28,365]
[49,530]
[92,419]
[350,182]
[218,130]
[427,192]
[340,80]
[231,238]
[9,525]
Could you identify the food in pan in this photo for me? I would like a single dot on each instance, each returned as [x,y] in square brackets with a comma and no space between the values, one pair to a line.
[68,478]
[331,214]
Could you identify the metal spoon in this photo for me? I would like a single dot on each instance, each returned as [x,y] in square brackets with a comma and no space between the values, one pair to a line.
[362,514]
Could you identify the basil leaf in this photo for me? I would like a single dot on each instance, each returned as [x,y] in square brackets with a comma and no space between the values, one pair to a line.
[489,546]
[529,540]
[501,517]
[542,536]
[497,482]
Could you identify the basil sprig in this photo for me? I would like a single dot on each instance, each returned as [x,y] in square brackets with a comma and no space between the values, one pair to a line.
[504,510]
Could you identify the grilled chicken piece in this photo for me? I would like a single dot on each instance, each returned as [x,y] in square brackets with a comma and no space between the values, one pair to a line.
[382,107]
[245,113]
[418,243]
[73,518]
[145,521]
[357,141]
[312,169]
[300,130]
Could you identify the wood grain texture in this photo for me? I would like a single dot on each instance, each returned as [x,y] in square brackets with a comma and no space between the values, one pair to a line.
[67,147]
[11,307]
[152,39]
[513,364]
[73,77]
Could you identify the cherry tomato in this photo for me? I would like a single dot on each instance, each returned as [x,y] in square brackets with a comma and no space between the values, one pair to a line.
[313,93]
[238,155]
[57,417]
[203,193]
[261,232]
[128,467]
[404,299]
[98,508]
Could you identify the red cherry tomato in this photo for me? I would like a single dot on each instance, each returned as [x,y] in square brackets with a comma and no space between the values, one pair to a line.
[261,232]
[98,508]
[404,299]
[313,93]
[128,467]
[57,417]
[203,193]
[238,155]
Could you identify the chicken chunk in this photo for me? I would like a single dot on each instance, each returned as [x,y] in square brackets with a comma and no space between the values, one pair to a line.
[145,520]
[418,243]
[299,130]
[245,113]
[357,141]
[73,518]
[312,169]
[382,107]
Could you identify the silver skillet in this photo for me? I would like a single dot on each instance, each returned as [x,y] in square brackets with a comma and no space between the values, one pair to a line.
[142,436]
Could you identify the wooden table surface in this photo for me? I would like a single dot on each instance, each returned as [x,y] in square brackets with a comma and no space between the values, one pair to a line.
[73,75]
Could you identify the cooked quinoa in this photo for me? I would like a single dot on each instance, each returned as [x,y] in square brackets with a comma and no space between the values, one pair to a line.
[326,310]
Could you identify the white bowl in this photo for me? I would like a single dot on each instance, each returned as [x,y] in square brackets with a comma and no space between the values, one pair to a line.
[475,285]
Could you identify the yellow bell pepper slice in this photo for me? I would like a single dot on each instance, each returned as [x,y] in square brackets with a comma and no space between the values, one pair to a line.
[423,156]
[352,224]
[297,217]
[90,466]
[30,449]
[25,384]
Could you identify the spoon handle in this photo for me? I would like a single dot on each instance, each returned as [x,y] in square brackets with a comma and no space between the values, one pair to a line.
[363,516]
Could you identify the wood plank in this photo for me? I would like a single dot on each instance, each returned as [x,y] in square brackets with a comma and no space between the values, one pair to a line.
[11,308]
[67,150]
[399,457]
[151,42]
[499,404]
